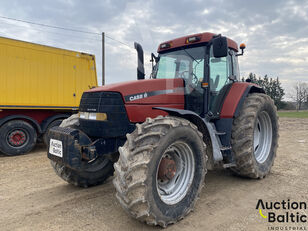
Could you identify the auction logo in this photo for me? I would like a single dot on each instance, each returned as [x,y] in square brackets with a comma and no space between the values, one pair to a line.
[289,215]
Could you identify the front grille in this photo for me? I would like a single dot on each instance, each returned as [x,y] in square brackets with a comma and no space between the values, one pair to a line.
[111,103]
[97,101]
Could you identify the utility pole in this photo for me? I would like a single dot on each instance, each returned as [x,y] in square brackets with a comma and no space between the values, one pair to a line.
[103,58]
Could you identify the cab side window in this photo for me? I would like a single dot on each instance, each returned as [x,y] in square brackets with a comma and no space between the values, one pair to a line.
[220,71]
[236,70]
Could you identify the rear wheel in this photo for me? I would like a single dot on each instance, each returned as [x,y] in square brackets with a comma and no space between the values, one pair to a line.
[255,136]
[17,137]
[93,173]
[161,170]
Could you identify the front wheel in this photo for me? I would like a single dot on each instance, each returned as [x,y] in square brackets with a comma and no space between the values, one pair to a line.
[255,136]
[161,170]
[93,173]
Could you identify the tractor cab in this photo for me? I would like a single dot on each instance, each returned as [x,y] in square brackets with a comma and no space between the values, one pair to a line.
[208,68]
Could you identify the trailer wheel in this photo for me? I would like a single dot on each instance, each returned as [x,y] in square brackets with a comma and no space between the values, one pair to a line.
[54,123]
[94,173]
[255,136]
[161,170]
[17,137]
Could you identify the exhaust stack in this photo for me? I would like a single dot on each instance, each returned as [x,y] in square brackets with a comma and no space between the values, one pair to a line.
[140,60]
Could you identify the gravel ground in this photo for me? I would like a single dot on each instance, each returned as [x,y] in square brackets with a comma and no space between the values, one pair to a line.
[32,197]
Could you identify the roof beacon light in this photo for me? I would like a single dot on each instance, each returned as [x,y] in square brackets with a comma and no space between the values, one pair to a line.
[193,39]
[242,47]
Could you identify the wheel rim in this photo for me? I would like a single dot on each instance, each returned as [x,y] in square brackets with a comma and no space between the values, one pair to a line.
[262,137]
[175,172]
[17,138]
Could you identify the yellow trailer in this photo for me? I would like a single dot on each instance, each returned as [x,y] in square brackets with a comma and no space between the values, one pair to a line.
[37,76]
[39,87]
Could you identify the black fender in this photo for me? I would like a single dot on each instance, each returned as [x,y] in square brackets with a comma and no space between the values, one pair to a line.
[33,122]
[186,114]
[205,127]
[50,119]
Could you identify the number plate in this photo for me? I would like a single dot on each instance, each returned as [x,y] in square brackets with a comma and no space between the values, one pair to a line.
[55,148]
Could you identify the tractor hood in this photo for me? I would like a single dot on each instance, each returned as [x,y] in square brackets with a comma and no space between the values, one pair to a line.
[149,91]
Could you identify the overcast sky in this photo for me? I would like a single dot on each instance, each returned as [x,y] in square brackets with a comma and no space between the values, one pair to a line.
[275,32]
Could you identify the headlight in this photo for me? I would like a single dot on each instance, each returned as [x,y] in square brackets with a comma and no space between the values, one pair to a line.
[83,115]
[93,116]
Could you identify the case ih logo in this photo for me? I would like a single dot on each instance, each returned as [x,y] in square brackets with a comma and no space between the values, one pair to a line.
[138,96]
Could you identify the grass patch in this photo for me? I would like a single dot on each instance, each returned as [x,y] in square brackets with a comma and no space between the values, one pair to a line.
[293,114]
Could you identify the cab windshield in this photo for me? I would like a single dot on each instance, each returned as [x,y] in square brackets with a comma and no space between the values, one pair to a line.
[187,64]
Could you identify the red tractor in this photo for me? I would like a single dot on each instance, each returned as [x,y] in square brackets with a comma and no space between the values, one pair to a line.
[161,135]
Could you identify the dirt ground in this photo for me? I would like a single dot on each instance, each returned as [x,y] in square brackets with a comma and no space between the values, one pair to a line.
[32,197]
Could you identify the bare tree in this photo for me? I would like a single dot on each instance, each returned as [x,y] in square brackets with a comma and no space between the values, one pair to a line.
[300,94]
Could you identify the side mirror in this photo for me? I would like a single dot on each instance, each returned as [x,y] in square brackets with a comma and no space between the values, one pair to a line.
[220,47]
[154,66]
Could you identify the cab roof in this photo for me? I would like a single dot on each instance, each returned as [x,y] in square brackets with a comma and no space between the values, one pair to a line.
[200,38]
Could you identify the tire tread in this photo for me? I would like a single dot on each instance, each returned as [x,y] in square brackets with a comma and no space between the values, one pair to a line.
[141,143]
